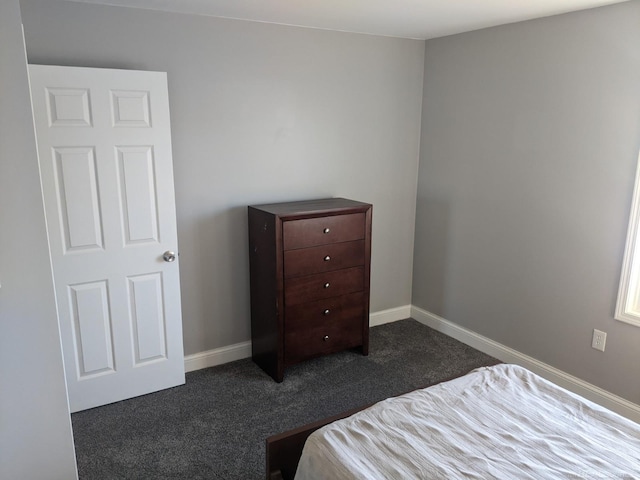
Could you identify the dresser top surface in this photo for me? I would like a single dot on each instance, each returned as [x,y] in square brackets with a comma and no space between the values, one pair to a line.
[312,207]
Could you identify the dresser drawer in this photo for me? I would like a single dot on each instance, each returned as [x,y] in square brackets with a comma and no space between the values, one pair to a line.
[334,256]
[318,313]
[323,285]
[320,231]
[331,336]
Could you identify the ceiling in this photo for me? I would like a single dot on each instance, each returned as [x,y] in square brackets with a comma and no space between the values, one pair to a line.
[420,19]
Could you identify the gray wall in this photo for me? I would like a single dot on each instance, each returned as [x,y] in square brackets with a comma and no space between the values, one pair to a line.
[530,134]
[35,427]
[260,113]
[530,137]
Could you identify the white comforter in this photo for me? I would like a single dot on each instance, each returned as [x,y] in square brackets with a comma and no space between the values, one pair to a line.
[496,422]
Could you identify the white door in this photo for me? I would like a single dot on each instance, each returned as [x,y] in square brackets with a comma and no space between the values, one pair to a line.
[104,145]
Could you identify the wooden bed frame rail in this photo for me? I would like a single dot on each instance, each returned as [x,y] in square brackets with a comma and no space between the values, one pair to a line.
[284,449]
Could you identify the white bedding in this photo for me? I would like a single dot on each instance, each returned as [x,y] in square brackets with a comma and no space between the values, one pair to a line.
[496,422]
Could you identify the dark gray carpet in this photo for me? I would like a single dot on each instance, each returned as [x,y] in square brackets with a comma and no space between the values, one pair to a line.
[215,426]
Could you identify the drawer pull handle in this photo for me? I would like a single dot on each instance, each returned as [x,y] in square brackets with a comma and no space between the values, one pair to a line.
[326,312]
[326,285]
[326,230]
[327,258]
[326,338]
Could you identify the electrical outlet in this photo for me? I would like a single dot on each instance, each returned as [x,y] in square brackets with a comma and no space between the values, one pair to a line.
[599,340]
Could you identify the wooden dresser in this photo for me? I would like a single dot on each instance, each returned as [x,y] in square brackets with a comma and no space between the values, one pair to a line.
[310,264]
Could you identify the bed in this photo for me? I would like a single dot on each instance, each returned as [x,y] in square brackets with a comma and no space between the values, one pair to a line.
[500,422]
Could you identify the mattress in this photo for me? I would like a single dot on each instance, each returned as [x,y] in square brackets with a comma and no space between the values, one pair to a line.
[496,422]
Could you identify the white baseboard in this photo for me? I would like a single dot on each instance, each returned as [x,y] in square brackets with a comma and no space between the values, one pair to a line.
[506,354]
[217,356]
[238,351]
[390,315]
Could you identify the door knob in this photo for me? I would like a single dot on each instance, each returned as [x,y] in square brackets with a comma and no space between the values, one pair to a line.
[169,256]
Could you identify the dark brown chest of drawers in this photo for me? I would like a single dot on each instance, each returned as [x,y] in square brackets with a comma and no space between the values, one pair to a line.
[310,264]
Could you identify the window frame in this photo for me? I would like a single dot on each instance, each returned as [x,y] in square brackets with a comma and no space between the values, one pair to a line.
[628,303]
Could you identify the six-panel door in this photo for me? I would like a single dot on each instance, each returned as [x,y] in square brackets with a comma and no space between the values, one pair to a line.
[104,145]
